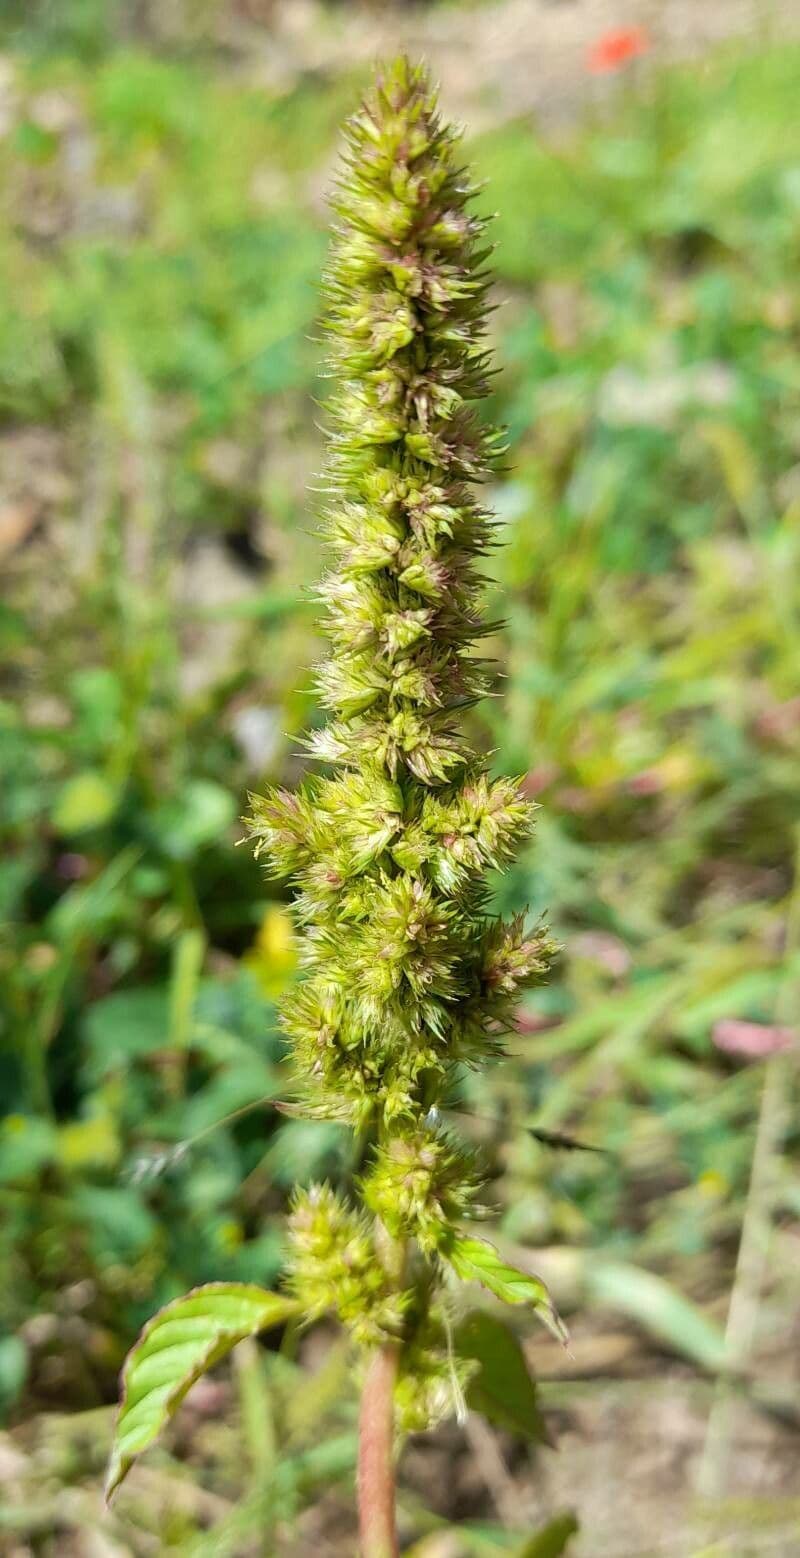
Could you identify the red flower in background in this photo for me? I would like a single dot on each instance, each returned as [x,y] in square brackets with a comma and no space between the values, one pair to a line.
[615,48]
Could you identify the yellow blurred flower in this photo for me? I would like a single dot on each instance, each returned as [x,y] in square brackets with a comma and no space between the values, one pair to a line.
[230,1236]
[273,955]
[713,1184]
[92,1142]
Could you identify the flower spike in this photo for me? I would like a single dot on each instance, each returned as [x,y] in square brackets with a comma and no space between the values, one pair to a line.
[407,977]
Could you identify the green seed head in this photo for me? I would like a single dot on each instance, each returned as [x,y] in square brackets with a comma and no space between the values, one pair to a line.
[407,977]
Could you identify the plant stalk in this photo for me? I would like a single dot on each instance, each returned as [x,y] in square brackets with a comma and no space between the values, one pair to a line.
[753,1258]
[376,1486]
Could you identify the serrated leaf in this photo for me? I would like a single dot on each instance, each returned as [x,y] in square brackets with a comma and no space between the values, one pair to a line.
[178,1345]
[473,1260]
[502,1388]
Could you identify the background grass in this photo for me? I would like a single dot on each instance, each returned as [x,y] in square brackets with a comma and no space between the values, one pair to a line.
[161,235]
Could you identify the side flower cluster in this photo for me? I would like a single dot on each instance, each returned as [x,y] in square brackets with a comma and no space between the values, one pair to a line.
[407,976]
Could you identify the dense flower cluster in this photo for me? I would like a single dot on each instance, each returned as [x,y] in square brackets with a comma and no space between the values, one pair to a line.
[336,1266]
[407,976]
[420,1186]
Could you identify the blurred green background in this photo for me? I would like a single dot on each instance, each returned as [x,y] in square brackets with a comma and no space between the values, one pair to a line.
[162,229]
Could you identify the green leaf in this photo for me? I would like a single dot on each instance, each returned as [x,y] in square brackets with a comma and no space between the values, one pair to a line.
[180,1343]
[186,966]
[473,1260]
[26,1144]
[119,1223]
[33,143]
[552,1540]
[99,701]
[124,1027]
[201,814]
[87,801]
[13,1370]
[502,1388]
[660,1309]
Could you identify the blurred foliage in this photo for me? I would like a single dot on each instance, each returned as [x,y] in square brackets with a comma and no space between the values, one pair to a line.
[161,234]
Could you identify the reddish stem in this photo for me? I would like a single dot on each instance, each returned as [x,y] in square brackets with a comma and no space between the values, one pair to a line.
[376,1514]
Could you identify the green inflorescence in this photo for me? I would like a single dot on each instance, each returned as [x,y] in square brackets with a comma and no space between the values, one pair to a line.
[407,975]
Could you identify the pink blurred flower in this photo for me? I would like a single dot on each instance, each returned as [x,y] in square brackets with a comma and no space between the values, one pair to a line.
[71,867]
[599,946]
[648,782]
[534,1022]
[539,779]
[751,1040]
[780,721]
